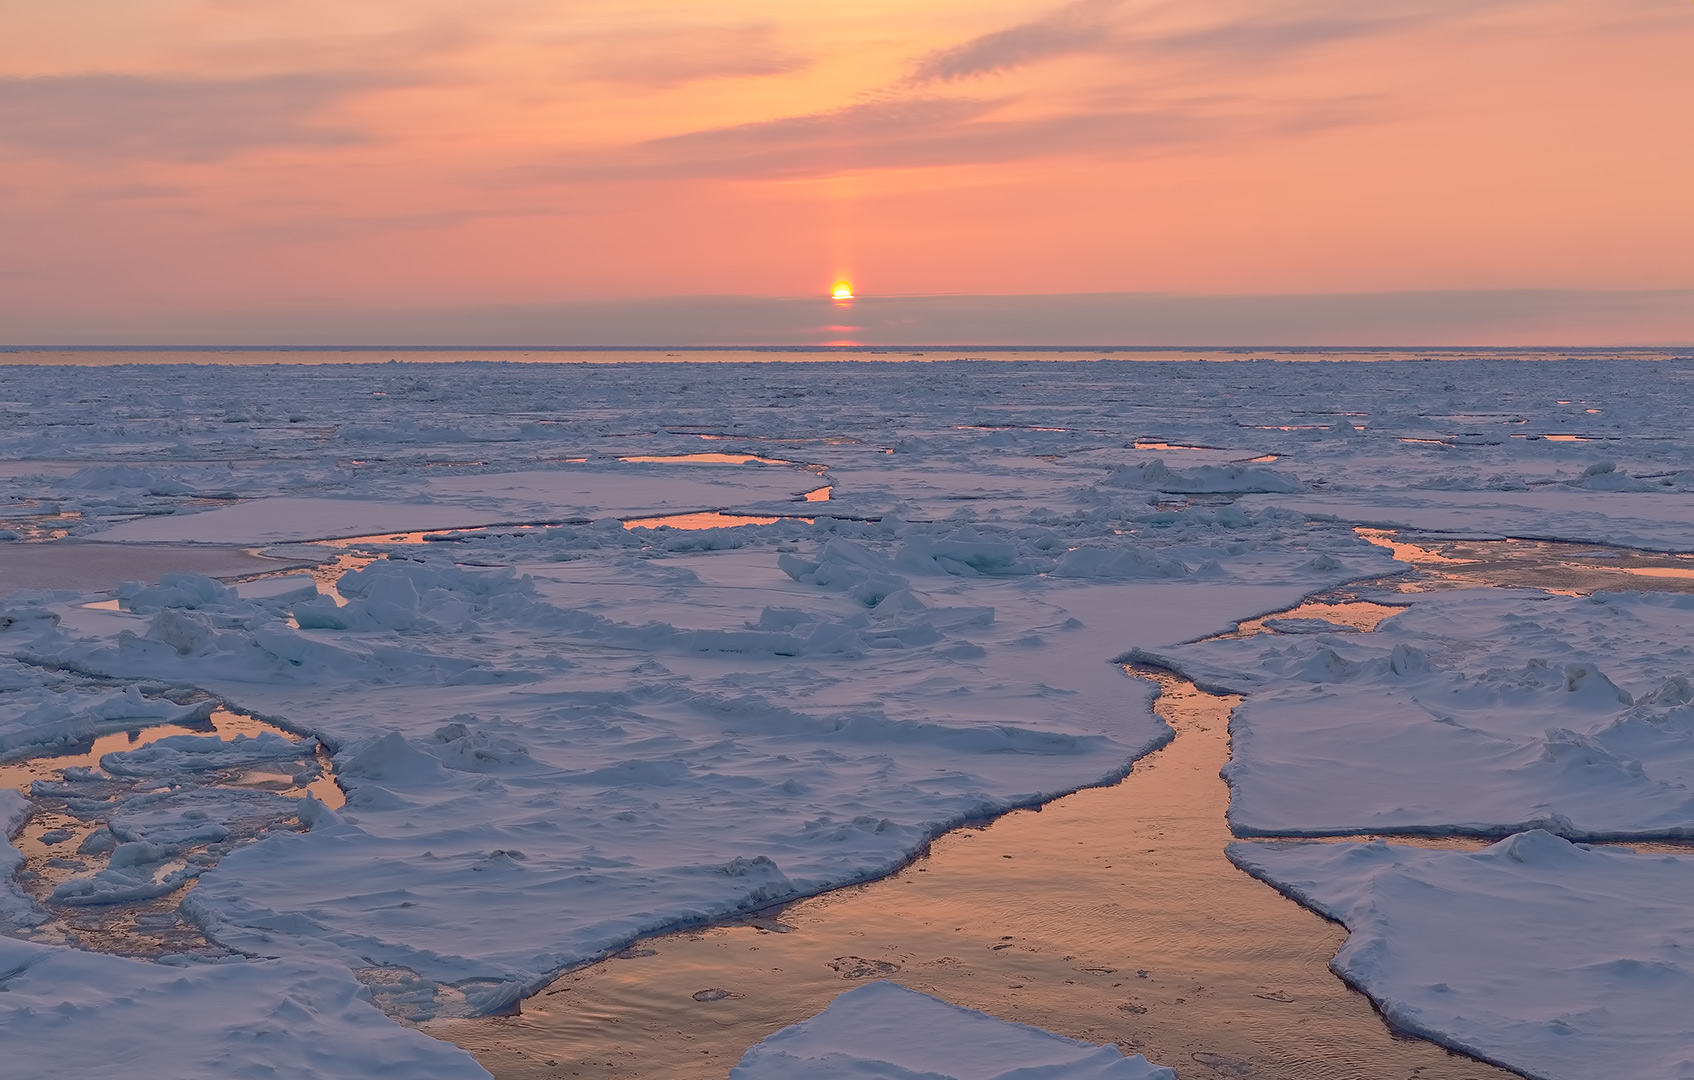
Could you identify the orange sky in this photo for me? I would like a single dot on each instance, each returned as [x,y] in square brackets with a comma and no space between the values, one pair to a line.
[209,157]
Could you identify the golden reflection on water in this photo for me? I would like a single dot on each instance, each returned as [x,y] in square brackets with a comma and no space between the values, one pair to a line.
[1552,566]
[223,723]
[706,459]
[51,836]
[1109,915]
[709,519]
[1361,615]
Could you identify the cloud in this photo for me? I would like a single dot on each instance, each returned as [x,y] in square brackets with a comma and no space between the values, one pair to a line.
[1077,27]
[150,117]
[936,132]
[907,134]
[1264,38]
[1103,27]
[670,58]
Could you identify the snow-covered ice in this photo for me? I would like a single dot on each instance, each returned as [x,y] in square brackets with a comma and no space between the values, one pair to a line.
[64,1012]
[1636,516]
[41,710]
[555,739]
[884,1030]
[1557,960]
[597,756]
[453,502]
[16,908]
[1482,712]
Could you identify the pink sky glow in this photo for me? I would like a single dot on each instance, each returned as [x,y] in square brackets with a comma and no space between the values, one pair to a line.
[177,170]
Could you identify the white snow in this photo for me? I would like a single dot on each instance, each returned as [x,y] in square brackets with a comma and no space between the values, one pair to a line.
[39,710]
[280,520]
[16,908]
[1654,520]
[455,502]
[1557,960]
[1477,711]
[556,739]
[71,1013]
[94,566]
[738,736]
[886,1031]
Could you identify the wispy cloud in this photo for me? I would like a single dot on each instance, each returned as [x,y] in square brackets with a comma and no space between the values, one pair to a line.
[1281,36]
[663,59]
[1108,27]
[151,117]
[1081,26]
[943,131]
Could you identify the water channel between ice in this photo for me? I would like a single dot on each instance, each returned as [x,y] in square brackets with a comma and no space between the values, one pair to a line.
[1110,915]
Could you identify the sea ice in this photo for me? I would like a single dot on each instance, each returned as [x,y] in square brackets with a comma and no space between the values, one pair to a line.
[1556,960]
[737,728]
[1475,711]
[1652,520]
[70,1013]
[553,740]
[564,493]
[40,709]
[887,1031]
[16,908]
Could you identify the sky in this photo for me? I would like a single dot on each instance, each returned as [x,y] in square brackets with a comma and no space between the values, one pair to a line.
[691,172]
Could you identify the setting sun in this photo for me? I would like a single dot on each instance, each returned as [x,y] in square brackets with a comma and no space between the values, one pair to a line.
[842,290]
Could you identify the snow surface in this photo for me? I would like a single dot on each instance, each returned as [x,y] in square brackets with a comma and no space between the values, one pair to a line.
[94,566]
[884,1030]
[41,710]
[1653,521]
[16,908]
[554,740]
[1482,712]
[70,1013]
[738,729]
[453,502]
[1557,960]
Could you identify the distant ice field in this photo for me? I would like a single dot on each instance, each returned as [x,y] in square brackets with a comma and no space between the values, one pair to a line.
[556,732]
[107,356]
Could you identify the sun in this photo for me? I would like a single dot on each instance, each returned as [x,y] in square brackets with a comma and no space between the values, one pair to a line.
[842,290]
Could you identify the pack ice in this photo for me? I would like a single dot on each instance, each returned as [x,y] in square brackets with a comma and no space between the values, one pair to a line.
[555,738]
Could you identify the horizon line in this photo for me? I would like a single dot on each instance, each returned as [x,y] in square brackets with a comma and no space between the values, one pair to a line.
[844,348]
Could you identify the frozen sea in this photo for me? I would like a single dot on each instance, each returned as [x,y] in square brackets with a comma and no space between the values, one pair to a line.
[555,726]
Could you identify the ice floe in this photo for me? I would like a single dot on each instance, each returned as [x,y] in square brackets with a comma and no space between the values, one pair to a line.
[1480,712]
[1659,521]
[70,1013]
[884,1030]
[1556,960]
